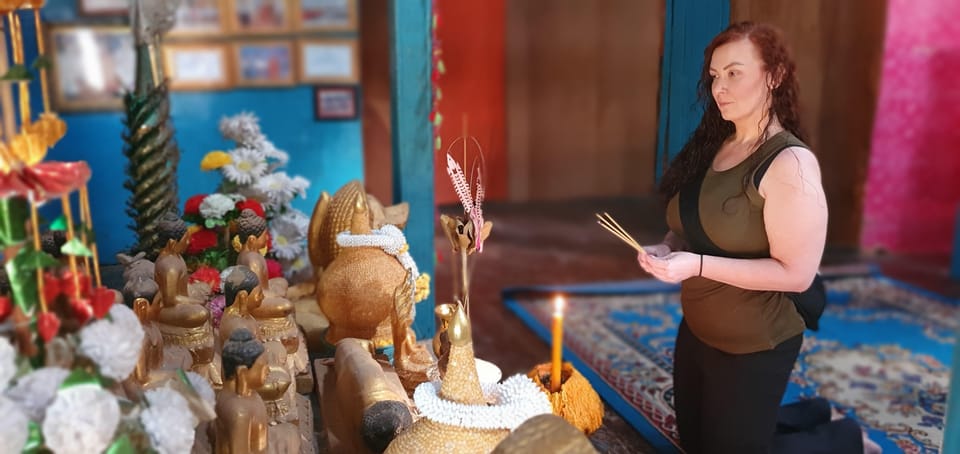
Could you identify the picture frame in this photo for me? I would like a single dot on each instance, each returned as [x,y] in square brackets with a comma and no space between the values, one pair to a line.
[79,85]
[336,102]
[197,66]
[325,15]
[255,17]
[264,63]
[328,61]
[103,7]
[201,17]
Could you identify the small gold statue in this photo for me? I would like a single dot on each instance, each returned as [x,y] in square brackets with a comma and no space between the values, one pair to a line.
[412,361]
[334,215]
[242,292]
[241,425]
[275,314]
[184,322]
[242,286]
[355,292]
[151,354]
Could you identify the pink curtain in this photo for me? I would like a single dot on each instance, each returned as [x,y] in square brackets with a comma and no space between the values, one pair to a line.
[913,183]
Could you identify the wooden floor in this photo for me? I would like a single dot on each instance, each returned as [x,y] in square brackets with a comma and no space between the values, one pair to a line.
[560,243]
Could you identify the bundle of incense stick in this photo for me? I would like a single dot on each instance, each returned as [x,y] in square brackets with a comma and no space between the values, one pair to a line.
[606,221]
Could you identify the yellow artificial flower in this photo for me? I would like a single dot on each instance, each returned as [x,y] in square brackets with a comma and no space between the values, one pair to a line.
[215,160]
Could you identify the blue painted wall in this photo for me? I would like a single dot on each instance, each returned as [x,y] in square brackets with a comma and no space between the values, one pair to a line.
[329,154]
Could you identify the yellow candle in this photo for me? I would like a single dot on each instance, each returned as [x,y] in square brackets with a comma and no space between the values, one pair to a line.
[557,358]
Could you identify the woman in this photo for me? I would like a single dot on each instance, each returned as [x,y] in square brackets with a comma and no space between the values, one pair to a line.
[748,223]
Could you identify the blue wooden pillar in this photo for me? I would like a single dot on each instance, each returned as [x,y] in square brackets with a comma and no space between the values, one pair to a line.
[689,26]
[951,428]
[410,67]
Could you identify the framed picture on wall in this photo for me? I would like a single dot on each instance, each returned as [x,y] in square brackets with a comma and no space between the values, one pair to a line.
[323,15]
[335,102]
[260,16]
[103,7]
[264,63]
[200,17]
[328,61]
[197,66]
[93,66]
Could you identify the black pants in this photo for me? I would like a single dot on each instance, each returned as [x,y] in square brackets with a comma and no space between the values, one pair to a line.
[729,403]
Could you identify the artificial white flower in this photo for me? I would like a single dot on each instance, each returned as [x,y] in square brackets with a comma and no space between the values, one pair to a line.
[214,206]
[8,362]
[288,235]
[34,391]
[271,151]
[276,188]
[168,421]
[114,344]
[202,387]
[14,427]
[81,420]
[243,128]
[246,166]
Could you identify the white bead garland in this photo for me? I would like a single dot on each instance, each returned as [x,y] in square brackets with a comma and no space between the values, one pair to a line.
[515,400]
[391,240]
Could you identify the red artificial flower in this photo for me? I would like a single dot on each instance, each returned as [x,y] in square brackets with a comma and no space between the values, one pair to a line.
[101,299]
[48,325]
[54,286]
[82,310]
[250,204]
[207,274]
[6,307]
[192,206]
[274,269]
[202,240]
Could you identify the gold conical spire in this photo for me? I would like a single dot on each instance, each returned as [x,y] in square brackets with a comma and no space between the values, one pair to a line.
[461,383]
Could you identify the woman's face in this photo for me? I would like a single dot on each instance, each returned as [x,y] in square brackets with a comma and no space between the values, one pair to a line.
[740,82]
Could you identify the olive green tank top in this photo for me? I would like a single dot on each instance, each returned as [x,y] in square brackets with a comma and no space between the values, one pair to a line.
[726,317]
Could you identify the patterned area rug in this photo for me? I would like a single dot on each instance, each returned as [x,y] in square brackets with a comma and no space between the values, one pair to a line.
[882,355]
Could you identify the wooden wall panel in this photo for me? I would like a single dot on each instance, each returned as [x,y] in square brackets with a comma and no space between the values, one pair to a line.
[582,82]
[375,90]
[838,47]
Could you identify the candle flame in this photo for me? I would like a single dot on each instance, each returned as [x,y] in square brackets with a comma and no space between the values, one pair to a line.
[558,304]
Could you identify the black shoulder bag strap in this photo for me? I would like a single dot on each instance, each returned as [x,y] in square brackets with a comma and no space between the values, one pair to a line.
[810,303]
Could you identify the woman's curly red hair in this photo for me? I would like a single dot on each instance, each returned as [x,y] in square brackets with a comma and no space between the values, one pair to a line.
[698,153]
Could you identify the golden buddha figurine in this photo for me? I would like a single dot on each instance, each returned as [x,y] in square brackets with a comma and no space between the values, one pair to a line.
[184,322]
[355,292]
[147,370]
[275,314]
[241,287]
[242,293]
[241,424]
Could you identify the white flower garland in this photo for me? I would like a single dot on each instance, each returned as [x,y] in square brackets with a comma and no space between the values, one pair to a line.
[81,420]
[35,391]
[393,242]
[114,344]
[13,426]
[169,421]
[515,400]
[8,362]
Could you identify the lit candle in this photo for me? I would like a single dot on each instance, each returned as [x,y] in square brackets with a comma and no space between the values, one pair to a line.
[557,358]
